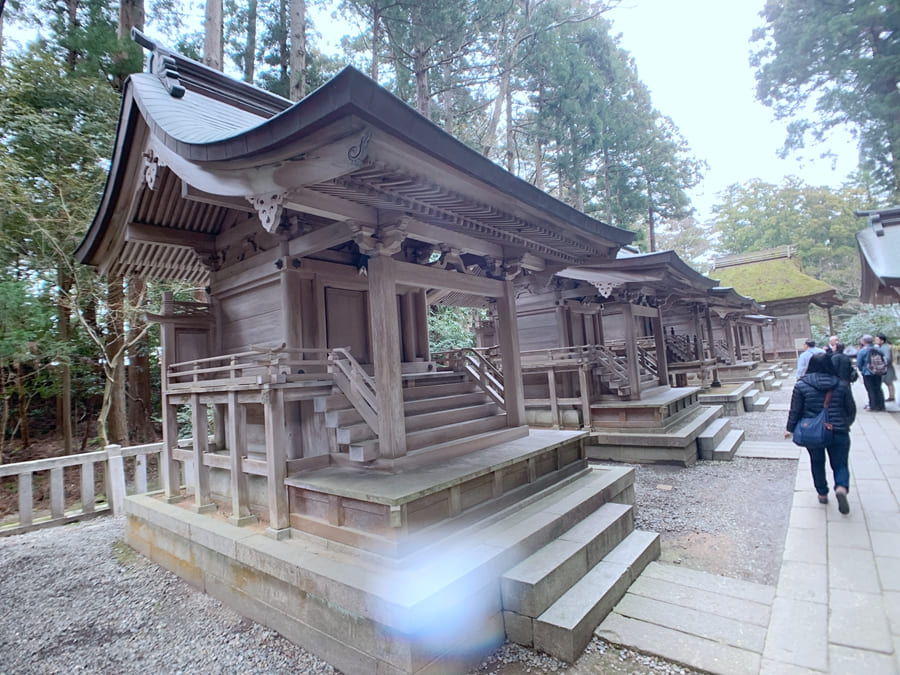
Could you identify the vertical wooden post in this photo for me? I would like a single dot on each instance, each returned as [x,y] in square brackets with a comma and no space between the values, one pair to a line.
[26,499]
[551,391]
[200,441]
[236,439]
[276,463]
[87,487]
[712,350]
[408,321]
[169,470]
[762,344]
[58,493]
[698,333]
[662,364]
[509,353]
[584,386]
[729,338]
[421,306]
[116,478]
[631,353]
[385,327]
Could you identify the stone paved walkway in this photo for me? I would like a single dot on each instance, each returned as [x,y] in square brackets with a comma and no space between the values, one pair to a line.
[836,606]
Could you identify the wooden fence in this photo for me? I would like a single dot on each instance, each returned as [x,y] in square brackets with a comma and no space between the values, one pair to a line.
[113,460]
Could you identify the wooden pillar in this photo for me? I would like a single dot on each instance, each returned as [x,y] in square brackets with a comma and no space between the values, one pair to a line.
[631,353]
[551,391]
[762,344]
[408,322]
[420,301]
[509,353]
[236,439]
[385,327]
[712,350]
[276,463]
[698,333]
[200,440]
[169,469]
[584,384]
[729,337]
[662,364]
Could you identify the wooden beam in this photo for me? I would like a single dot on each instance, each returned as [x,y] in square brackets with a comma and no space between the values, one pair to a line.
[203,244]
[321,239]
[315,203]
[432,277]
[433,234]
[194,194]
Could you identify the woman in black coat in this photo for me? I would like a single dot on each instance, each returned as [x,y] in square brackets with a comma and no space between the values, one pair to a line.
[807,400]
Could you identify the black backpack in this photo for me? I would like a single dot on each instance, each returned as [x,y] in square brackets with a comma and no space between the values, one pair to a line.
[876,364]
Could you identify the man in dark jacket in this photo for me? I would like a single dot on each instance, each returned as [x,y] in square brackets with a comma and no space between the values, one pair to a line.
[807,400]
[870,379]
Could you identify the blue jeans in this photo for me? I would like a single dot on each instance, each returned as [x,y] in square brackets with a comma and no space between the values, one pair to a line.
[838,452]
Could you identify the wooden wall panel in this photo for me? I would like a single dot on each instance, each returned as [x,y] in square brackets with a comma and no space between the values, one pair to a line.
[252,317]
[538,330]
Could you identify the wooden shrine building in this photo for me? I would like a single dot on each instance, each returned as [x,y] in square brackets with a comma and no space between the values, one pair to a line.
[351,492]
[624,348]
[774,279]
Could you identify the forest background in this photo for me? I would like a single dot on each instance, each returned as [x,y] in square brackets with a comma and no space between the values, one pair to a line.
[542,87]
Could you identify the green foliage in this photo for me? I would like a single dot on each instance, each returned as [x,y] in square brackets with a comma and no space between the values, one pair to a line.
[451,327]
[818,221]
[882,319]
[843,56]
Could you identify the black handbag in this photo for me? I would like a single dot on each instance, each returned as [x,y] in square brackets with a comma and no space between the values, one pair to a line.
[815,432]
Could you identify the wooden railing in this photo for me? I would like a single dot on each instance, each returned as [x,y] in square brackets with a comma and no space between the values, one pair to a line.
[480,365]
[256,366]
[647,362]
[356,384]
[113,458]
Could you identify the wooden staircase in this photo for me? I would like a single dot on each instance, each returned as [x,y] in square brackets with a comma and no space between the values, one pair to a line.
[444,412]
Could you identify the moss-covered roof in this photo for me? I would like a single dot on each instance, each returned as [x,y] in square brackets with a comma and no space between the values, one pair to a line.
[771,280]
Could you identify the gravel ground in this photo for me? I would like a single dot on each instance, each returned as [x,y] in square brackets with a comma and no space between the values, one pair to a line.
[76,599]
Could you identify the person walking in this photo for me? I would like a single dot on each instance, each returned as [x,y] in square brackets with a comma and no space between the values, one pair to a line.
[870,363]
[884,346]
[811,392]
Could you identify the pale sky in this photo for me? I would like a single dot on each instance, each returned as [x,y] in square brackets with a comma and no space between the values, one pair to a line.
[693,56]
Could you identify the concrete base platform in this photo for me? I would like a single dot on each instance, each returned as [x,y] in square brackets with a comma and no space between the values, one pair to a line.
[730,396]
[437,610]
[676,444]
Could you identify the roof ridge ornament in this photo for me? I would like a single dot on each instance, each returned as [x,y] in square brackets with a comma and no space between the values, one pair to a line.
[162,64]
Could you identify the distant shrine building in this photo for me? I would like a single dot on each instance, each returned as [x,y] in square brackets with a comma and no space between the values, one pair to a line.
[774,279]
[375,502]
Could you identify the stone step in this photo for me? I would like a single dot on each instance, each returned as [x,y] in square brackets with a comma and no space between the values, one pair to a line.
[530,587]
[748,398]
[777,384]
[726,450]
[712,436]
[566,627]
[761,404]
[768,381]
[706,621]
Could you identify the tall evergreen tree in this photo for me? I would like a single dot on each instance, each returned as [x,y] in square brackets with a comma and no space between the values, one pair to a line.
[843,56]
